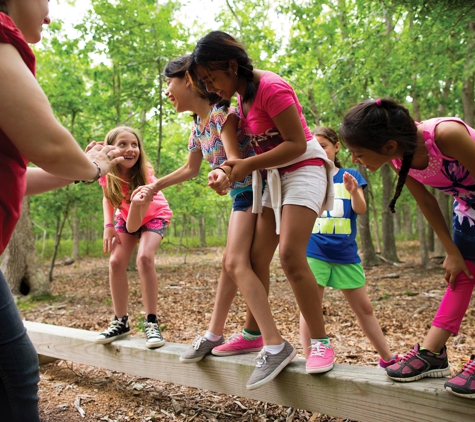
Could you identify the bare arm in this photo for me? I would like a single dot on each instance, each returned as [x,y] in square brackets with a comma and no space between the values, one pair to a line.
[140,201]
[290,127]
[109,232]
[27,120]
[454,262]
[184,173]
[358,203]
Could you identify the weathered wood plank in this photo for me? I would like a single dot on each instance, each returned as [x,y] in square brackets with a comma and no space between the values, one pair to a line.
[355,392]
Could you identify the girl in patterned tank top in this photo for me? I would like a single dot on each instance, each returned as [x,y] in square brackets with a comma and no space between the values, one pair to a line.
[439,153]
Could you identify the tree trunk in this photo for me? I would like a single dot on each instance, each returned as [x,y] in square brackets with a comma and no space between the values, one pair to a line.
[21,265]
[75,249]
[389,242]
[468,95]
[369,257]
[59,231]
[421,229]
[202,224]
[408,221]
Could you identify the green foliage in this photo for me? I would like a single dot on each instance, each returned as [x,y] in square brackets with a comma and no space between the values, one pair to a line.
[334,53]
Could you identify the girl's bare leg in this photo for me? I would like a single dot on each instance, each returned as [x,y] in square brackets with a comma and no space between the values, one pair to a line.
[120,255]
[149,243]
[304,332]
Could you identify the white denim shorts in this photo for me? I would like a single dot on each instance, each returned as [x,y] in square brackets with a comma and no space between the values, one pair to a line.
[305,186]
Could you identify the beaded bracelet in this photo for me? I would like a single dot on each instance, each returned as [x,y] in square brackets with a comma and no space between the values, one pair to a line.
[90,182]
[108,225]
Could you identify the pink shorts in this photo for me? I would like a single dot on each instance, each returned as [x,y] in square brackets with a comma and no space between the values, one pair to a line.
[455,302]
[156,225]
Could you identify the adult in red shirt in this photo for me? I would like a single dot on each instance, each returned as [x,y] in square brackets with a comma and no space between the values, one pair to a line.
[29,132]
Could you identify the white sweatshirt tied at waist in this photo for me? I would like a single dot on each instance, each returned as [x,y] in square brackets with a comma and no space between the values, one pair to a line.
[273,180]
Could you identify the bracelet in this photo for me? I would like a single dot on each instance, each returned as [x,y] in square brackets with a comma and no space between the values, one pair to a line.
[220,168]
[90,182]
[108,225]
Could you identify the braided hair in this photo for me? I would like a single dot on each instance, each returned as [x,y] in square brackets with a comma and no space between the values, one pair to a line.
[371,124]
[329,134]
[216,49]
[179,68]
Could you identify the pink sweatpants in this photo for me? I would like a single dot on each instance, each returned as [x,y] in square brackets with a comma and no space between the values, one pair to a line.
[455,302]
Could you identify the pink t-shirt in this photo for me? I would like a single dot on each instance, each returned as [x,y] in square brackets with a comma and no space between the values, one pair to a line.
[273,96]
[158,208]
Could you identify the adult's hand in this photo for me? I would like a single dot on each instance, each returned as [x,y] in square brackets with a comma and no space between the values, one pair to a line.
[105,157]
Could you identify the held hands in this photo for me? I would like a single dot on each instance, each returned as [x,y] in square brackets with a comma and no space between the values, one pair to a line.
[143,195]
[218,181]
[453,266]
[240,168]
[350,183]
[105,157]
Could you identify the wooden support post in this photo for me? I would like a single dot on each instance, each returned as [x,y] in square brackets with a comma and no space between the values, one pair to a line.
[355,392]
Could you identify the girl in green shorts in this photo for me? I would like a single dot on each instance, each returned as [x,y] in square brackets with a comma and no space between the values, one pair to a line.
[332,252]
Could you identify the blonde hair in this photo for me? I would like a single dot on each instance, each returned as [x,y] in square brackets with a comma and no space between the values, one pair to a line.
[138,173]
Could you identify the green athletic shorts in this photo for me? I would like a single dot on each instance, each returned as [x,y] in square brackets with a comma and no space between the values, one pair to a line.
[338,276]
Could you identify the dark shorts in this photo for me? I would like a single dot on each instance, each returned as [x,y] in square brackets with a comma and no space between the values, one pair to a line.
[156,225]
[242,201]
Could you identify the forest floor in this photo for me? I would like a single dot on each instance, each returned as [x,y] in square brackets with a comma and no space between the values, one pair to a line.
[405,298]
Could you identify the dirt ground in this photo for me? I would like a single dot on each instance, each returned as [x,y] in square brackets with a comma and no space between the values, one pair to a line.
[405,298]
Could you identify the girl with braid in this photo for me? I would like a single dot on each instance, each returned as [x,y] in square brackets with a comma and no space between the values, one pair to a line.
[299,187]
[438,152]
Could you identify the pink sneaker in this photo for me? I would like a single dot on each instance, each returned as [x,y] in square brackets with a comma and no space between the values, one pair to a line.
[237,345]
[385,363]
[321,358]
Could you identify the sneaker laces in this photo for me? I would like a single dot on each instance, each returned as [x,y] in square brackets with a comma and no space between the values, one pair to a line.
[409,355]
[114,327]
[152,330]
[233,338]
[470,366]
[317,349]
[198,341]
[261,358]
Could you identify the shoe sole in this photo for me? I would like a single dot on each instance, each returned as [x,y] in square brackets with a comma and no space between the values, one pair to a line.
[192,360]
[274,373]
[465,396]
[235,352]
[111,339]
[434,373]
[320,370]
[154,345]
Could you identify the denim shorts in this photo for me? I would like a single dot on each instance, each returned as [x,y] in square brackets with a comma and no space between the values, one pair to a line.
[156,225]
[242,201]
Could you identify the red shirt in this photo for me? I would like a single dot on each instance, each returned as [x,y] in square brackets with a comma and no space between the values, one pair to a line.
[12,164]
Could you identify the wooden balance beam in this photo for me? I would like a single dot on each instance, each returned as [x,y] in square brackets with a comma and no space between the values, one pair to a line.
[354,392]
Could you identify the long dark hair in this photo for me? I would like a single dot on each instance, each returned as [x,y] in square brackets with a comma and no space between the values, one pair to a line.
[4,6]
[179,68]
[371,124]
[216,49]
[328,133]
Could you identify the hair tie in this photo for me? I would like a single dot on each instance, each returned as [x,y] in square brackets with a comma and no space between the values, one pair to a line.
[378,103]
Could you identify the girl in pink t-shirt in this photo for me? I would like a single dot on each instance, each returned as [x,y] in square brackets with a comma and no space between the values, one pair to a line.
[297,190]
[139,215]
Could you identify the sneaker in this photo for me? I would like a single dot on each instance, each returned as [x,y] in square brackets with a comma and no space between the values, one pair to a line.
[385,363]
[199,349]
[321,358]
[153,335]
[237,344]
[419,364]
[268,366]
[118,328]
[463,384]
